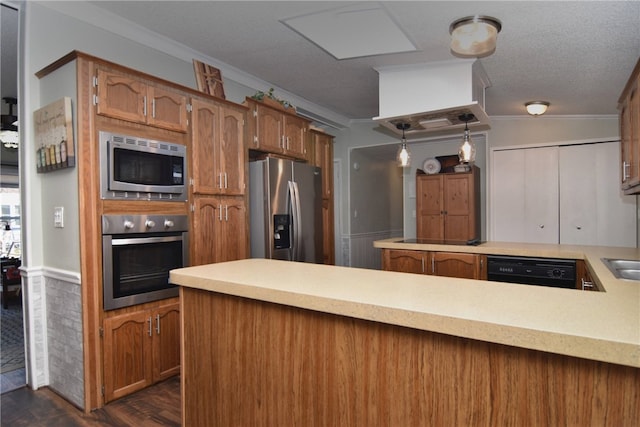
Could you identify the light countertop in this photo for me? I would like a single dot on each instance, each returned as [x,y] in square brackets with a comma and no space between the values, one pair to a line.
[602,326]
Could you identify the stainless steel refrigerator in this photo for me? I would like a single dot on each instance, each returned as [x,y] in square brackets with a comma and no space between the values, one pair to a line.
[285,210]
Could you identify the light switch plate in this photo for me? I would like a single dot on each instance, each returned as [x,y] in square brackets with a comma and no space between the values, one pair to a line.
[58,217]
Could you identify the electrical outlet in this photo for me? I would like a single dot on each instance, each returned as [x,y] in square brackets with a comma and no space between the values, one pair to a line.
[58,217]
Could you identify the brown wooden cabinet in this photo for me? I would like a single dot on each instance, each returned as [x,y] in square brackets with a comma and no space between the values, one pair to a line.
[323,158]
[456,264]
[449,264]
[130,98]
[448,206]
[584,277]
[220,230]
[629,106]
[274,130]
[404,261]
[140,348]
[217,149]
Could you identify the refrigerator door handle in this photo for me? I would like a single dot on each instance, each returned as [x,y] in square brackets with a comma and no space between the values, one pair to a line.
[297,219]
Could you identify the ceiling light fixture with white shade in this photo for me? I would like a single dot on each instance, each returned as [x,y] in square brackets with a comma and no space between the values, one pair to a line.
[404,156]
[537,108]
[474,36]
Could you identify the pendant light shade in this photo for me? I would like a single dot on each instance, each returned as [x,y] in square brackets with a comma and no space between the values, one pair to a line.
[403,157]
[467,151]
[474,36]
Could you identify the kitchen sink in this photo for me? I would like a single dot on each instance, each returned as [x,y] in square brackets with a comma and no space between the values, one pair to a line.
[624,268]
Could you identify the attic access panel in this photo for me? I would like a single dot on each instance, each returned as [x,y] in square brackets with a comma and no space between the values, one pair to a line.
[352,32]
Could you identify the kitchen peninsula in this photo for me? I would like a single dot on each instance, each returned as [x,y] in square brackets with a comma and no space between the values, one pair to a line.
[269,342]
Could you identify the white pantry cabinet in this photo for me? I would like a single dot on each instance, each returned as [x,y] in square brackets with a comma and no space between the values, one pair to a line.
[561,194]
[595,212]
[525,195]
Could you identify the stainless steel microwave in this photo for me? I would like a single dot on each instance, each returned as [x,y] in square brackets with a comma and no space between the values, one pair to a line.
[140,168]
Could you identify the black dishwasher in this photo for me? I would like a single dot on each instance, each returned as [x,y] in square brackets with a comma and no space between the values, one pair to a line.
[558,273]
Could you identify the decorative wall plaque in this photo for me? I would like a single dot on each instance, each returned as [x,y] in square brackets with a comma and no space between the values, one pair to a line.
[54,136]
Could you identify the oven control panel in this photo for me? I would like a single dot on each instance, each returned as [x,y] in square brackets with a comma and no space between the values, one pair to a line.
[130,224]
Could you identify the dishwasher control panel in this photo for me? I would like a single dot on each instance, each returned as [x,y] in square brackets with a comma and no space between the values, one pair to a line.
[532,271]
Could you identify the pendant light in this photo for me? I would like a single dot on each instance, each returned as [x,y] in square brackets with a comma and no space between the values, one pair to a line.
[404,156]
[467,151]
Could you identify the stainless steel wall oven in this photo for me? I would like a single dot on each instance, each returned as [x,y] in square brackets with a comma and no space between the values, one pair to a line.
[138,251]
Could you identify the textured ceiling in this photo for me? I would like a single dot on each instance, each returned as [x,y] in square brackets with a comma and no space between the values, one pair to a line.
[576,55]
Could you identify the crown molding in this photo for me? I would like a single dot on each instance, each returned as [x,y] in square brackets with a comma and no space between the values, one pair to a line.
[115,24]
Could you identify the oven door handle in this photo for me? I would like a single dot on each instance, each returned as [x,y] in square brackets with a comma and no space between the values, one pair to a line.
[142,240]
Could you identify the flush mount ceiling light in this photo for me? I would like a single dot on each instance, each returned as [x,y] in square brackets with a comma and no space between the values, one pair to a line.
[474,36]
[467,151]
[537,108]
[404,156]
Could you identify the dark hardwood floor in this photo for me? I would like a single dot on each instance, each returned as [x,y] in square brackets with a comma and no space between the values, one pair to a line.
[158,405]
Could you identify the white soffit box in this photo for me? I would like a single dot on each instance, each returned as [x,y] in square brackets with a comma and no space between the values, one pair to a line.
[431,97]
[352,32]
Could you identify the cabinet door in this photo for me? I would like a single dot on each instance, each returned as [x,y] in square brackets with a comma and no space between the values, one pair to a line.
[459,217]
[166,341]
[121,97]
[525,195]
[462,265]
[268,128]
[633,124]
[323,158]
[204,154]
[430,207]
[593,209]
[206,218]
[295,133]
[233,237]
[232,151]
[127,354]
[404,261]
[168,109]
[328,239]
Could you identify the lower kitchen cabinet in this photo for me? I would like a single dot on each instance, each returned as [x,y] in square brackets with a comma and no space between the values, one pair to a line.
[404,261]
[449,264]
[140,348]
[584,278]
[455,264]
[221,230]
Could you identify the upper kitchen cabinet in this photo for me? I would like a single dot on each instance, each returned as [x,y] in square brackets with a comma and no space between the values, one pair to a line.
[218,155]
[274,130]
[133,99]
[448,206]
[629,106]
